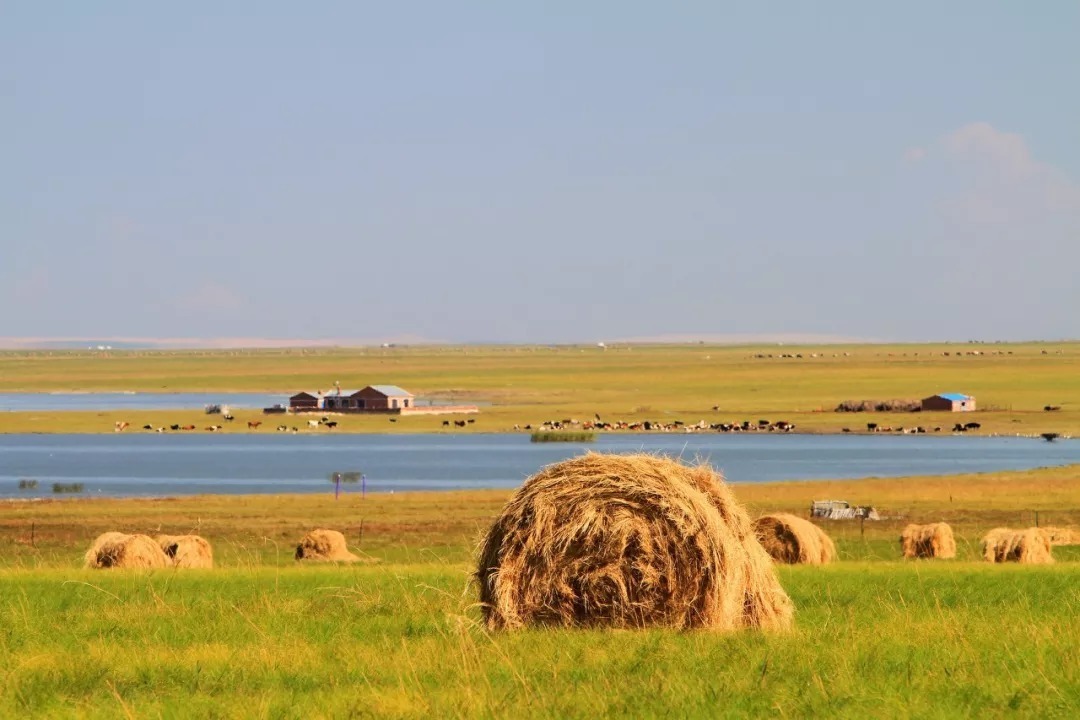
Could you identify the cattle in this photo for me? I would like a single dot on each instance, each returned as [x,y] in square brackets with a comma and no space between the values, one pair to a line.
[230,418]
[972,426]
[254,424]
[332,424]
[845,430]
[958,428]
[446,423]
[174,427]
[324,418]
[282,428]
[313,423]
[470,421]
[1052,408]
[459,423]
[187,427]
[871,427]
[393,419]
[148,426]
[120,426]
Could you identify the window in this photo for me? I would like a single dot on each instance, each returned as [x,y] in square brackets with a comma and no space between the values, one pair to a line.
[406,402]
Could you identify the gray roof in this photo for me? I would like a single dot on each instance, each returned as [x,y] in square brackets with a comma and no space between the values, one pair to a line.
[391,390]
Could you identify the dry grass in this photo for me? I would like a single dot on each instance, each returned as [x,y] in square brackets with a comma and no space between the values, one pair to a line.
[1030,546]
[187,551]
[1062,536]
[324,546]
[928,541]
[119,550]
[791,539]
[627,541]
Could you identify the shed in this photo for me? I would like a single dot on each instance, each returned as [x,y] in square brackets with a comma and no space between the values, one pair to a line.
[304,401]
[383,397]
[949,402]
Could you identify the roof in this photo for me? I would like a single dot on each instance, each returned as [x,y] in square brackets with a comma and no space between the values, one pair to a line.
[305,392]
[954,397]
[391,390]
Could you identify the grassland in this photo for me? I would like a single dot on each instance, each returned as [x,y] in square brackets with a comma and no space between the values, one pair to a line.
[523,385]
[260,637]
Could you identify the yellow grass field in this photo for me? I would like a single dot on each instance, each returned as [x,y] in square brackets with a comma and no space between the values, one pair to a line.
[520,385]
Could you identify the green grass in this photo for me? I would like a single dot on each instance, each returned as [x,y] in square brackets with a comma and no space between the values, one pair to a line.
[529,385]
[259,636]
[563,436]
[884,640]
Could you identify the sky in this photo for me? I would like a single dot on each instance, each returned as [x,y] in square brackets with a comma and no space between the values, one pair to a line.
[546,172]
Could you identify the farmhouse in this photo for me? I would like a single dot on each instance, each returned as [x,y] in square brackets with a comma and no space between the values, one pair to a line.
[384,399]
[949,402]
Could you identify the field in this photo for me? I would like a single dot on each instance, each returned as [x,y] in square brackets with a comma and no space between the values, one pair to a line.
[523,385]
[257,636]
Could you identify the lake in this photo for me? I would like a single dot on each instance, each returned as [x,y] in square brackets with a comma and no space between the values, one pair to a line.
[102,401]
[174,464]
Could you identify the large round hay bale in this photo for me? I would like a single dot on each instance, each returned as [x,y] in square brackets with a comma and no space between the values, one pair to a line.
[187,551]
[627,541]
[928,541]
[324,546]
[793,540]
[1030,546]
[120,550]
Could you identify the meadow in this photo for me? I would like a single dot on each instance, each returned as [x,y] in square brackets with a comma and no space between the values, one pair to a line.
[401,636]
[523,385]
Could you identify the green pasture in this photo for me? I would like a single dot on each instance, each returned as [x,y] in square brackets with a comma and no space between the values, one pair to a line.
[526,385]
[871,640]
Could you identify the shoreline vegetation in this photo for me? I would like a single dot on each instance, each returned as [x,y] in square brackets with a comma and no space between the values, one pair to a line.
[1021,389]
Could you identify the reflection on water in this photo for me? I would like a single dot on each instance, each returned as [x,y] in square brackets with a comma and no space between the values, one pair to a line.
[155,465]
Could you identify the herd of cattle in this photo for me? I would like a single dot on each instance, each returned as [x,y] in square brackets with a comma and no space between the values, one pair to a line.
[326,422]
[653,426]
[918,429]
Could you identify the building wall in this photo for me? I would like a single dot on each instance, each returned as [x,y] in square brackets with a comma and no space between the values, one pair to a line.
[941,404]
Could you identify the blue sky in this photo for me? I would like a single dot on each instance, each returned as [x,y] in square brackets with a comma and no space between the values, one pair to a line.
[577,172]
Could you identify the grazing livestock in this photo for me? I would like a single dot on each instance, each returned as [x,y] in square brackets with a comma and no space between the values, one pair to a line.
[393,419]
[470,421]
[313,423]
[459,423]
[230,418]
[174,427]
[187,427]
[972,426]
[1052,408]
[282,428]
[120,426]
[147,426]
[254,424]
[332,424]
[446,423]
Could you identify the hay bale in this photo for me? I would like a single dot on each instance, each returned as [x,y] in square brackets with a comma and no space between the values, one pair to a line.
[1062,536]
[324,546]
[187,551]
[119,550]
[1030,546]
[928,541]
[793,540]
[627,541]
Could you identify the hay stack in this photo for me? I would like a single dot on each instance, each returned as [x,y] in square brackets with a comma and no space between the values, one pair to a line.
[627,541]
[928,541]
[793,540]
[1031,546]
[324,546]
[1062,536]
[119,550]
[187,551]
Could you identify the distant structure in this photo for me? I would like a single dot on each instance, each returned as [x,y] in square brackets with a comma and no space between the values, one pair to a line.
[949,402]
[386,399]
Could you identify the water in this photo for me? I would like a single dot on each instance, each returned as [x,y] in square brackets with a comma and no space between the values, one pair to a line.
[175,464]
[102,401]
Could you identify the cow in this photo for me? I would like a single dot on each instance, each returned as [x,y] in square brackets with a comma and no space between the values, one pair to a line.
[446,423]
[187,427]
[470,421]
[393,419]
[332,424]
[254,424]
[147,426]
[871,427]
[282,428]
[972,426]
[174,427]
[230,418]
[120,425]
[459,423]
[313,423]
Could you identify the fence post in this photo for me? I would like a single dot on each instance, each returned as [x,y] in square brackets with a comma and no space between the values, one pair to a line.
[1036,518]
